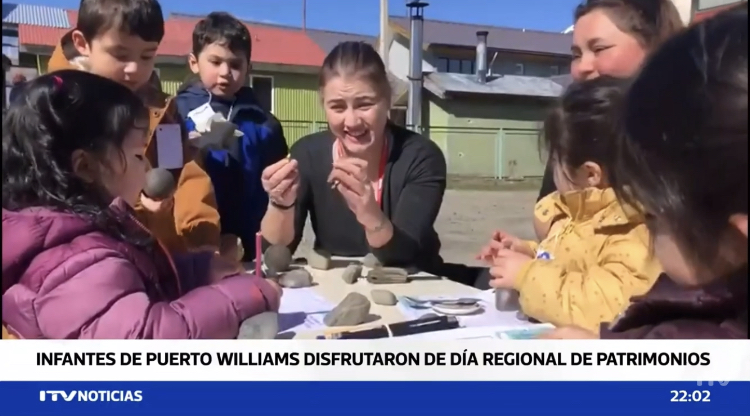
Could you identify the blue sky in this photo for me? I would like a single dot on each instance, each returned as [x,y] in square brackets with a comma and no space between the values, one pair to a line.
[361,16]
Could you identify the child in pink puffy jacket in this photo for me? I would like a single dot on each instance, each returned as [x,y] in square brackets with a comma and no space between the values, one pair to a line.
[76,263]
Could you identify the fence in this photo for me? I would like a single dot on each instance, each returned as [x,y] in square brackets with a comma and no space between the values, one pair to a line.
[296,129]
[503,153]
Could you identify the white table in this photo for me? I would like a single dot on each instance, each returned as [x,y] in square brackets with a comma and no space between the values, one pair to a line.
[330,286]
[333,288]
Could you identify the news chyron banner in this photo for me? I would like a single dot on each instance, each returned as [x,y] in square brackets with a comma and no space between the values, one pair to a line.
[376,377]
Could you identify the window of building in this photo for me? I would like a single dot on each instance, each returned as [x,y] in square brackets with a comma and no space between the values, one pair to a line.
[520,69]
[442,64]
[554,70]
[709,4]
[263,90]
[455,66]
[10,44]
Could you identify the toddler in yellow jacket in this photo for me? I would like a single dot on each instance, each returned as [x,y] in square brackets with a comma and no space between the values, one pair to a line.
[595,255]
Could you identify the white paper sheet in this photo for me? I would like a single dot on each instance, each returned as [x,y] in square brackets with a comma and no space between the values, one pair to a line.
[302,310]
[488,317]
[200,117]
[169,146]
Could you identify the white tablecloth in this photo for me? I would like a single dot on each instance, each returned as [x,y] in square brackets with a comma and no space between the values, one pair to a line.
[330,289]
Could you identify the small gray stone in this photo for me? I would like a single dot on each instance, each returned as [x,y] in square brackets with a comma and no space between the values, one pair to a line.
[351,273]
[319,260]
[371,261]
[383,297]
[296,278]
[387,275]
[507,300]
[353,310]
[262,326]
[160,184]
[277,258]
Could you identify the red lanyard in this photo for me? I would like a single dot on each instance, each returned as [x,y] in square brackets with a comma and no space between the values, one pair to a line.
[339,151]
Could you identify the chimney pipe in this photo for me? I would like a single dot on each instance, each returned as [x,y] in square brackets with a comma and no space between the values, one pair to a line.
[414,110]
[384,37]
[481,62]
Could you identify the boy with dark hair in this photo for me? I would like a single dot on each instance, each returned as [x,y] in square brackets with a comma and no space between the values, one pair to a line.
[222,49]
[118,39]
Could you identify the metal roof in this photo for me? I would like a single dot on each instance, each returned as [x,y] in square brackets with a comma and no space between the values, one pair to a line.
[273,44]
[30,14]
[442,84]
[564,80]
[438,32]
[327,40]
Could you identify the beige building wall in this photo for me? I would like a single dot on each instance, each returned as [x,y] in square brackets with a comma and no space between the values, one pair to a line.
[685,7]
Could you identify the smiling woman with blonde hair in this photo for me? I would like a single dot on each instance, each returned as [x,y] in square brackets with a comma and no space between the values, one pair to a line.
[368,185]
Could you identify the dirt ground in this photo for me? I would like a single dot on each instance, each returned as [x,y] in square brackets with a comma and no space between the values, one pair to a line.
[468,217]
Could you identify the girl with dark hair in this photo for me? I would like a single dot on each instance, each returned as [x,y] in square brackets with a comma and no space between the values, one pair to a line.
[76,263]
[684,161]
[368,185]
[596,254]
[610,37]
[613,37]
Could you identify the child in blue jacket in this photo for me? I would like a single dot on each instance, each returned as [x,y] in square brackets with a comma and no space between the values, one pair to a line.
[221,60]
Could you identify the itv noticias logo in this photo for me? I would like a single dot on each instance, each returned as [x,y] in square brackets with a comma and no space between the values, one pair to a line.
[91,395]
[54,394]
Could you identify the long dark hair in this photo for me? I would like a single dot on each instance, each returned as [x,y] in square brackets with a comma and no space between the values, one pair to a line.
[684,157]
[60,113]
[583,126]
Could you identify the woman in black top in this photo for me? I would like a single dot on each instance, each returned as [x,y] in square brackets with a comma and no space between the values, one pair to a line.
[369,186]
